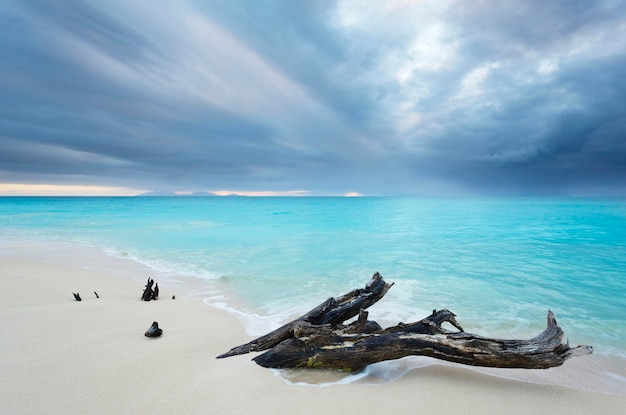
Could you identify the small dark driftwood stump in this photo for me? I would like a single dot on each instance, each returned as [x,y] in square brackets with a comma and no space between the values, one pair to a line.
[318,339]
[148,292]
[154,330]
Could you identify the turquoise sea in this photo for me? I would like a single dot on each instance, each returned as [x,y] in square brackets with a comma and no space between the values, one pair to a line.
[498,263]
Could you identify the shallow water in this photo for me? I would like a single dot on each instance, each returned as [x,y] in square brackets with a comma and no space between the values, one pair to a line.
[498,263]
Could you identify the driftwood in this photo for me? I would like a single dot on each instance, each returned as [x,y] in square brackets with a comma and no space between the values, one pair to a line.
[330,313]
[319,339]
[149,293]
[154,330]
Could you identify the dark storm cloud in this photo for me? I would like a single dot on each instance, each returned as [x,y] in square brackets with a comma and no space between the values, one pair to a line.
[396,97]
[300,38]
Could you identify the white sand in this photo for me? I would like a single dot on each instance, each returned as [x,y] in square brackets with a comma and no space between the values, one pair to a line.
[60,356]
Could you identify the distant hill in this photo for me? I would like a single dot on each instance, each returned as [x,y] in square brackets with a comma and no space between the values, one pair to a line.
[158,193]
[167,193]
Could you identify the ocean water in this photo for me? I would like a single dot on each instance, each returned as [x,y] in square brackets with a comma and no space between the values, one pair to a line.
[498,263]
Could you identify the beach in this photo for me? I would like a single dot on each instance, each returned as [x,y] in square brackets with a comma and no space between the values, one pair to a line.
[61,356]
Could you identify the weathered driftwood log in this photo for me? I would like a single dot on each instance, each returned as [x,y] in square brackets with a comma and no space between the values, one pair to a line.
[341,351]
[318,339]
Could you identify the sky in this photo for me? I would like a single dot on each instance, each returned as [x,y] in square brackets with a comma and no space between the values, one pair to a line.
[265,97]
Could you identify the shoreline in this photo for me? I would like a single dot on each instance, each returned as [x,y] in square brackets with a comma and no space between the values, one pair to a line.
[63,356]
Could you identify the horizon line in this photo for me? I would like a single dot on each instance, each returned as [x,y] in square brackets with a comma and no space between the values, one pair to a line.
[42,190]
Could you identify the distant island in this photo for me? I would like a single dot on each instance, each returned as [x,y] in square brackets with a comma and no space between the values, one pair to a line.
[167,193]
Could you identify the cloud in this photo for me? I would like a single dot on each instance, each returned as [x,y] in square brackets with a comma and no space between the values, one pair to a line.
[14,189]
[521,97]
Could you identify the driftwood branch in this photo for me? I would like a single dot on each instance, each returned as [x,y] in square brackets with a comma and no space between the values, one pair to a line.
[331,312]
[318,339]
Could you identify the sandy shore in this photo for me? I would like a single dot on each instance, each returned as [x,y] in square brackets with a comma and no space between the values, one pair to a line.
[60,356]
